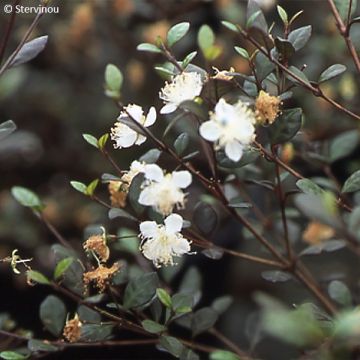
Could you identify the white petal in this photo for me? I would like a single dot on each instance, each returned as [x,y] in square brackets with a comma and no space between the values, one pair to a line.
[125,137]
[210,130]
[181,246]
[154,172]
[135,111]
[147,197]
[234,150]
[168,108]
[148,229]
[182,179]
[151,117]
[173,223]
[140,139]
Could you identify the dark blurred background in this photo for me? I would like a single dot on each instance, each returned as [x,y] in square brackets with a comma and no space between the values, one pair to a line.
[59,95]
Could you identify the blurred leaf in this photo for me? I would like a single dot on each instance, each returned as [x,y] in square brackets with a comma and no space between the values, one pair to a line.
[343,145]
[286,126]
[213,253]
[354,222]
[203,320]
[96,332]
[172,345]
[188,354]
[343,7]
[79,186]
[53,314]
[255,17]
[62,266]
[191,284]
[29,51]
[276,276]
[339,292]
[37,277]
[152,326]
[352,183]
[205,38]
[327,246]
[195,108]
[263,66]
[164,297]
[182,303]
[223,355]
[26,197]
[300,74]
[221,304]
[331,72]
[177,32]
[140,290]
[134,192]
[243,52]
[90,189]
[6,128]
[181,143]
[12,355]
[309,187]
[113,78]
[230,26]
[92,140]
[248,157]
[283,15]
[35,345]
[300,37]
[87,314]
[188,59]
[148,47]
[346,326]
[205,218]
[151,156]
[117,212]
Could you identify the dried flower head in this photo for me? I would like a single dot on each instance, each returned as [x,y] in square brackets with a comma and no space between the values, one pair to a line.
[267,108]
[100,276]
[223,74]
[316,233]
[97,244]
[72,329]
[117,194]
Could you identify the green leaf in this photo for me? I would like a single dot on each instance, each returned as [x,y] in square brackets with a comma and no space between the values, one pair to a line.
[148,47]
[12,355]
[331,72]
[181,143]
[90,189]
[164,297]
[343,145]
[102,141]
[205,37]
[172,345]
[182,303]
[117,212]
[203,320]
[153,327]
[53,314]
[275,276]
[35,345]
[298,73]
[283,15]
[255,17]
[62,266]
[343,7]
[221,304]
[37,277]
[205,218]
[223,355]
[96,332]
[339,292]
[230,26]
[87,314]
[140,290]
[177,32]
[92,140]
[352,184]
[26,197]
[113,78]
[79,186]
[284,48]
[134,192]
[243,52]
[188,59]
[6,128]
[300,37]
[151,156]
[250,21]
[263,66]
[309,187]
[286,126]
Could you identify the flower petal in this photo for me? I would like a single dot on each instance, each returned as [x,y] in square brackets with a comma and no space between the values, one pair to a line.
[124,136]
[234,150]
[168,108]
[153,172]
[135,111]
[181,246]
[151,117]
[147,197]
[182,179]
[140,139]
[210,130]
[173,223]
[148,229]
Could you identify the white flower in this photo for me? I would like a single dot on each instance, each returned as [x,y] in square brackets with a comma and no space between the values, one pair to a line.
[185,86]
[136,167]
[163,242]
[123,135]
[230,127]
[164,191]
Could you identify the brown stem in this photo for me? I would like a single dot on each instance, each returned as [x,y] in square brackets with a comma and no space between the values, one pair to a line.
[112,162]
[344,32]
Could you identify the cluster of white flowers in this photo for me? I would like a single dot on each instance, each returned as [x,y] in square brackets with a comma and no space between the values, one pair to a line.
[230,127]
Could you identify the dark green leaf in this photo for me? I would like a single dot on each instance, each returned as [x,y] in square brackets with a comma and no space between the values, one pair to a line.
[221,304]
[134,192]
[53,314]
[327,246]
[39,345]
[6,128]
[205,218]
[177,32]
[352,184]
[300,37]
[151,156]
[339,292]
[263,66]
[62,266]
[309,187]
[299,74]
[96,332]
[29,51]
[343,7]
[286,126]
[87,314]
[284,48]
[164,297]
[255,17]
[140,290]
[331,72]
[343,145]
[276,276]
[182,303]
[181,143]
[116,212]
[203,320]
[213,253]
[153,327]
[172,345]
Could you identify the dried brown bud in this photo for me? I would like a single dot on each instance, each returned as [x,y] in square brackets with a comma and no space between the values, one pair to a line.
[97,243]
[101,276]
[72,329]
[118,193]
[267,108]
